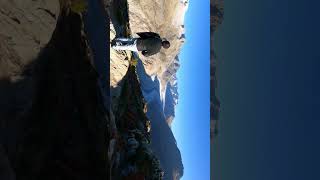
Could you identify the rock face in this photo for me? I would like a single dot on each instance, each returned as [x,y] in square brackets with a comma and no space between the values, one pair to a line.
[217,11]
[27,26]
[48,121]
[136,156]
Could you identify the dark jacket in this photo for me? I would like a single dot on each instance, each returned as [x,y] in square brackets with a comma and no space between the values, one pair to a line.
[149,43]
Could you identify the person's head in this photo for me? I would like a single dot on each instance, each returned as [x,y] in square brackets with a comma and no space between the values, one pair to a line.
[165,44]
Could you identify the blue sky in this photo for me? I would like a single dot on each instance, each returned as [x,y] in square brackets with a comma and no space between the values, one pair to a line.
[268,86]
[192,122]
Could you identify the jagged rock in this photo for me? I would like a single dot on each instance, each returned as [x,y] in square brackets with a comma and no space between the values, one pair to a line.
[57,134]
[28,26]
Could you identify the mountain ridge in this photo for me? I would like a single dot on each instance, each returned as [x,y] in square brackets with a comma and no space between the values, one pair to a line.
[216,13]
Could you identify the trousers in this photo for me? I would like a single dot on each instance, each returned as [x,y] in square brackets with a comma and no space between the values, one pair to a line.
[129,44]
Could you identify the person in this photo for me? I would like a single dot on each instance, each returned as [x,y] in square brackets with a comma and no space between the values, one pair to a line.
[148,43]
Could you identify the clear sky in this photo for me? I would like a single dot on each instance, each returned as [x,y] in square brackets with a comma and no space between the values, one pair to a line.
[268,85]
[191,126]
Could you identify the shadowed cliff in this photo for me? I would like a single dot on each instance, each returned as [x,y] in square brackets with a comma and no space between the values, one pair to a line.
[56,130]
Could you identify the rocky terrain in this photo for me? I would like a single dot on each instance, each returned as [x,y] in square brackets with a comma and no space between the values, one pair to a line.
[129,152]
[51,127]
[217,11]
[26,27]
[54,107]
[167,19]
[157,74]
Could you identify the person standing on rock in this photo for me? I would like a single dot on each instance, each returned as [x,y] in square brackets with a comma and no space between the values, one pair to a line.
[149,43]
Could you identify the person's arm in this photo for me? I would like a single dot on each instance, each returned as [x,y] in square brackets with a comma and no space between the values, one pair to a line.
[148,34]
[146,53]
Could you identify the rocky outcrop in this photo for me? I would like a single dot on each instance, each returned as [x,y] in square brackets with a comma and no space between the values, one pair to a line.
[27,26]
[216,12]
[50,126]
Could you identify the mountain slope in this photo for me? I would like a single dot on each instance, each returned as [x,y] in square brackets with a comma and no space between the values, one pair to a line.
[153,73]
[164,144]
